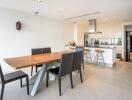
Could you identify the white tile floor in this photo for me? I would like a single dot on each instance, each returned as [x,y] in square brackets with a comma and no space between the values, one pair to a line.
[100,83]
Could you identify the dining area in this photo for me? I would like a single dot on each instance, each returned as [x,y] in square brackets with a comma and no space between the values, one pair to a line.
[60,64]
[60,75]
[50,50]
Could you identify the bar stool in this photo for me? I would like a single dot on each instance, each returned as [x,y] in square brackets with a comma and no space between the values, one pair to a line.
[99,56]
[87,54]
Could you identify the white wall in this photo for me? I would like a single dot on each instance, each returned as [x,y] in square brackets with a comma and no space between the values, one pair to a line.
[82,28]
[36,32]
[75,31]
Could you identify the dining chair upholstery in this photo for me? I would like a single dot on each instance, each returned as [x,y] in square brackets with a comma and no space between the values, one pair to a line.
[12,77]
[66,64]
[81,49]
[77,60]
[39,51]
[64,69]
[46,50]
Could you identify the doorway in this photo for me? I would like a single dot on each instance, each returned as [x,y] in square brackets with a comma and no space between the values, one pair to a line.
[128,45]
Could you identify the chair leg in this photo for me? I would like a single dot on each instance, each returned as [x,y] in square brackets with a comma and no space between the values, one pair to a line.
[36,69]
[27,81]
[2,91]
[83,63]
[59,81]
[81,75]
[32,71]
[21,82]
[71,80]
[47,79]
[83,60]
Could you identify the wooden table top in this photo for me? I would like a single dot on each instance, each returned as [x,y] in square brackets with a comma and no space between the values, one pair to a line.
[31,60]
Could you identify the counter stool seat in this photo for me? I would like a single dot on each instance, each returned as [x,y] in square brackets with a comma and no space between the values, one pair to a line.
[99,51]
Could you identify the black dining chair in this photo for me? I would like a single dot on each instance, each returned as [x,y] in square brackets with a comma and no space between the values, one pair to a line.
[12,77]
[46,50]
[76,65]
[81,49]
[39,51]
[64,69]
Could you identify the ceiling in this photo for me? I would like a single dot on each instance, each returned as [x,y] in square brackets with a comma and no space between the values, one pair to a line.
[111,10]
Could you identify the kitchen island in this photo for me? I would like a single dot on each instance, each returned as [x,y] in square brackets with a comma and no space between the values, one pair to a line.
[109,55]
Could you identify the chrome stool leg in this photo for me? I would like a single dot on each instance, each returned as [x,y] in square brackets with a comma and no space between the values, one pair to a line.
[103,59]
[99,56]
[88,56]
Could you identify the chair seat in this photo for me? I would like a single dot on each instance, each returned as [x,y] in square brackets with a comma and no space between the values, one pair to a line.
[14,76]
[54,71]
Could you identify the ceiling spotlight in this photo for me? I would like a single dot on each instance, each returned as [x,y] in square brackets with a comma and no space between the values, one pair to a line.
[36,13]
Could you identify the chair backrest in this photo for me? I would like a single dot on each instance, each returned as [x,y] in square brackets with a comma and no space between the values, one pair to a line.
[40,50]
[77,59]
[46,50]
[66,64]
[35,51]
[1,75]
[79,49]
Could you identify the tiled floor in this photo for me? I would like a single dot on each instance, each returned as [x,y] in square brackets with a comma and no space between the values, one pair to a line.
[100,83]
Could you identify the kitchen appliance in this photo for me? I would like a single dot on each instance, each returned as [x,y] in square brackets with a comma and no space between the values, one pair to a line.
[92,27]
[92,30]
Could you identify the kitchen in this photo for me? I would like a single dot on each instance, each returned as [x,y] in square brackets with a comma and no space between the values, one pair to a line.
[107,37]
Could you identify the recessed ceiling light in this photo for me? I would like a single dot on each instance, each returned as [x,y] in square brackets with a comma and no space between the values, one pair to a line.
[36,13]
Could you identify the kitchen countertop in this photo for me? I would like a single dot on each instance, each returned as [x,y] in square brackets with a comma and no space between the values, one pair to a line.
[105,47]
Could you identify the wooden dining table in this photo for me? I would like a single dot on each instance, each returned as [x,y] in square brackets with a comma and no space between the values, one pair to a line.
[32,60]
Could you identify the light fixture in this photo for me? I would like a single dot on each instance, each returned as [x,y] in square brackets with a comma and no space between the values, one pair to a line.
[36,13]
[88,14]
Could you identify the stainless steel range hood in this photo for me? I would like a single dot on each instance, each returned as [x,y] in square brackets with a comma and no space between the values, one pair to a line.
[92,27]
